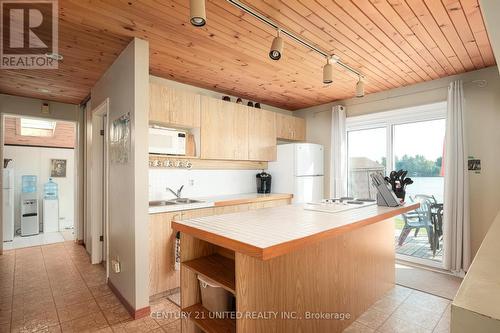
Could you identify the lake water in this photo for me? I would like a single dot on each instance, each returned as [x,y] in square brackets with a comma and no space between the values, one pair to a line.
[427,185]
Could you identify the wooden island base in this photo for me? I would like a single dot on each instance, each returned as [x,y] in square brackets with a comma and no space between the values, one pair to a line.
[338,276]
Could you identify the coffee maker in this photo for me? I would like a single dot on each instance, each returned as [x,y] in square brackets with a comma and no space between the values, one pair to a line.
[263,182]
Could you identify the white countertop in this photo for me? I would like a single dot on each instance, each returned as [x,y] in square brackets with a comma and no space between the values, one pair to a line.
[262,229]
[221,200]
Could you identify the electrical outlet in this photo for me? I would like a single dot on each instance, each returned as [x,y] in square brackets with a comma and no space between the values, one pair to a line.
[191,182]
[115,265]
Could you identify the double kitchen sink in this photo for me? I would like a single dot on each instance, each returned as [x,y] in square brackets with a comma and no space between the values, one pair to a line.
[179,201]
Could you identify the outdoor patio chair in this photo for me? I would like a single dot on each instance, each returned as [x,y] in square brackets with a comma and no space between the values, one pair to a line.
[420,197]
[419,218]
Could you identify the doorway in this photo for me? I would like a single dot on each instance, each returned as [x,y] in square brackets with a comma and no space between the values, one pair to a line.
[97,194]
[39,181]
[407,139]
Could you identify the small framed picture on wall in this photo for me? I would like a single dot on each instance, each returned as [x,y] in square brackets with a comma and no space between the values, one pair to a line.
[58,168]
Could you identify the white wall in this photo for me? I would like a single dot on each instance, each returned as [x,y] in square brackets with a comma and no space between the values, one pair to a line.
[206,183]
[483,134]
[36,161]
[24,106]
[126,84]
[490,10]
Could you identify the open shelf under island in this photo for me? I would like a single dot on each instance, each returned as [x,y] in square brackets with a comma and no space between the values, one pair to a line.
[290,269]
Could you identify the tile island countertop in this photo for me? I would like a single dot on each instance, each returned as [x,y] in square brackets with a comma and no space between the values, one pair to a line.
[220,201]
[271,232]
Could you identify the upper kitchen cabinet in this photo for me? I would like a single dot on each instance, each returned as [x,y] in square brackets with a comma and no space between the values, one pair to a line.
[159,103]
[224,130]
[169,106]
[261,135]
[290,127]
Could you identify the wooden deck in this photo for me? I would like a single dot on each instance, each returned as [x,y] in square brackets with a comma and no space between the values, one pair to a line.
[418,247]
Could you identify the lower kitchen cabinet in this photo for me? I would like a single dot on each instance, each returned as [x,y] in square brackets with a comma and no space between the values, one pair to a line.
[162,275]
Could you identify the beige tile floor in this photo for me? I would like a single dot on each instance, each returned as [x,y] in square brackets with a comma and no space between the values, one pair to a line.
[403,310]
[54,288]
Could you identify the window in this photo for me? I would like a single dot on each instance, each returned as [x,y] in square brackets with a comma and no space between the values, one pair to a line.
[37,127]
[367,151]
[411,139]
[418,148]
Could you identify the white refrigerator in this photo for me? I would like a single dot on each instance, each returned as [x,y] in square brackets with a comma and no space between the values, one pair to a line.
[8,204]
[299,169]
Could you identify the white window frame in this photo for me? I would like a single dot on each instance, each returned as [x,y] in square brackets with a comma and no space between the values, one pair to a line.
[389,119]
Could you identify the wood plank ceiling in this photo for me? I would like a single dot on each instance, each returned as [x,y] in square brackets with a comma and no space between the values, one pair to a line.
[393,42]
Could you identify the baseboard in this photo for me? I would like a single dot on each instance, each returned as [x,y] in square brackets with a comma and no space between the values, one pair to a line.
[136,314]
[80,242]
[164,294]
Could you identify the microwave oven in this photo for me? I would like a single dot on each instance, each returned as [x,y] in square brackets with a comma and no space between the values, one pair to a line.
[166,141]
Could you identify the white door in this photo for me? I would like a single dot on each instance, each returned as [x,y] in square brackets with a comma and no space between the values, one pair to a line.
[308,189]
[309,159]
[97,174]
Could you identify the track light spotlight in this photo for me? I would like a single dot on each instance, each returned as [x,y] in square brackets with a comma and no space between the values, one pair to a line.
[327,72]
[276,47]
[197,12]
[360,88]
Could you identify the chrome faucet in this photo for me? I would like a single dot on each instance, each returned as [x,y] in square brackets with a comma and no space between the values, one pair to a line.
[176,193]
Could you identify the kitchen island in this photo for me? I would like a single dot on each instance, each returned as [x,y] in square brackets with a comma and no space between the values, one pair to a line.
[163,278]
[290,269]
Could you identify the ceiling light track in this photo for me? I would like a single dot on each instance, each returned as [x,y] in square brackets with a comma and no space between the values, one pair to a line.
[294,37]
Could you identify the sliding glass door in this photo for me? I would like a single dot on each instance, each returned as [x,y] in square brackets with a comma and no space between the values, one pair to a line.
[367,151]
[418,148]
[412,141]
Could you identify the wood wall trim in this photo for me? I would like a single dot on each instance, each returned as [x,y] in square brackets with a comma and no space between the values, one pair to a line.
[136,314]
[36,146]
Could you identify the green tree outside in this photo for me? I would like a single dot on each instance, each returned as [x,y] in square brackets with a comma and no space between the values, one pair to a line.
[419,166]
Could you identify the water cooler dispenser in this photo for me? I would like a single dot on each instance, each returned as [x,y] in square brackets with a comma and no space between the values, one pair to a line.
[29,207]
[50,207]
